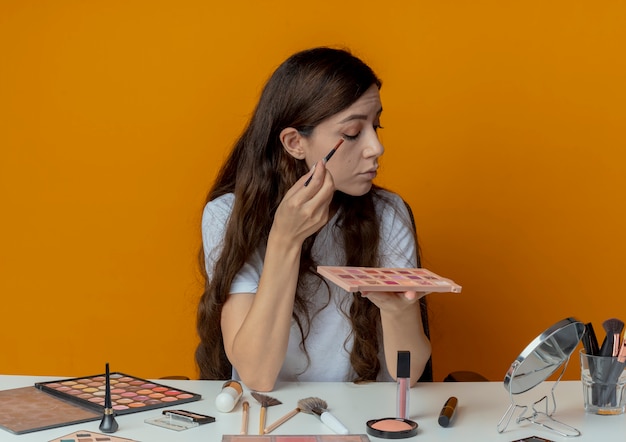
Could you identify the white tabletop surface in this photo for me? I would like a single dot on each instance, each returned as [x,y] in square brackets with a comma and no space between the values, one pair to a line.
[481,406]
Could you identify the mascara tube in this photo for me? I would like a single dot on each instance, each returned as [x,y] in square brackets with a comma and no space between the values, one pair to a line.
[403,375]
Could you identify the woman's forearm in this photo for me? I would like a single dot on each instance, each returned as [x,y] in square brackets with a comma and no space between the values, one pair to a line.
[259,342]
[402,330]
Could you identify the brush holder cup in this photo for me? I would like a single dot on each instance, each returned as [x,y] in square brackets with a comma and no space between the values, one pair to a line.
[604,384]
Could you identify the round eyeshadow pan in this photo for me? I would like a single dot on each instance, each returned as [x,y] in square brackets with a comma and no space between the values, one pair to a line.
[136,405]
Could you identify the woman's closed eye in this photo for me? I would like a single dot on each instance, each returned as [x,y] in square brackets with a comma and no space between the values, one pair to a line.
[355,136]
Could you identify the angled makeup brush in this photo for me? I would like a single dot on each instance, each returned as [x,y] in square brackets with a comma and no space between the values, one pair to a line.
[108,423]
[317,406]
[265,401]
[611,344]
[281,420]
[590,341]
[326,158]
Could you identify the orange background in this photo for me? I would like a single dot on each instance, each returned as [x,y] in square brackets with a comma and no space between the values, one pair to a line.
[504,128]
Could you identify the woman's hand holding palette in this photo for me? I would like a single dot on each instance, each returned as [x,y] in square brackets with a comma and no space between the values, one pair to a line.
[372,279]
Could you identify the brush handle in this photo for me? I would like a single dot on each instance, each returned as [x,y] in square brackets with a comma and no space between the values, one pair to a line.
[244,418]
[281,421]
[333,423]
[262,419]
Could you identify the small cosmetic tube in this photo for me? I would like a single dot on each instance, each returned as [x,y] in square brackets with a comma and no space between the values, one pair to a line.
[447,412]
[229,396]
[403,381]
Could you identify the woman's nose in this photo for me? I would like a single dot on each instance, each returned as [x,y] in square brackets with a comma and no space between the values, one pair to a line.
[374,147]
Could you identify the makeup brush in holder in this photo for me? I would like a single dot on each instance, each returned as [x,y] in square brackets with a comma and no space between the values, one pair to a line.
[108,423]
[318,407]
[265,401]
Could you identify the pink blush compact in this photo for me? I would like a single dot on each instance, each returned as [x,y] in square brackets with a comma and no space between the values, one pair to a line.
[391,428]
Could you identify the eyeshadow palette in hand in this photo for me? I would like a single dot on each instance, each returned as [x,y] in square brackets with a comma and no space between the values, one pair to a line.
[373,279]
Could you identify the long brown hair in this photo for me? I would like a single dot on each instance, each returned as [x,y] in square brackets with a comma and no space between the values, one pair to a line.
[306,89]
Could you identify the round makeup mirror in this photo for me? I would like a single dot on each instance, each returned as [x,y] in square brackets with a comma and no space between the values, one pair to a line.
[547,353]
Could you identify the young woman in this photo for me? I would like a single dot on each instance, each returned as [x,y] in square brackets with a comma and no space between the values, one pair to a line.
[266,315]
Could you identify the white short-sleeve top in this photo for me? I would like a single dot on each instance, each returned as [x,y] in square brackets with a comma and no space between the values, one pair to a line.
[330,340]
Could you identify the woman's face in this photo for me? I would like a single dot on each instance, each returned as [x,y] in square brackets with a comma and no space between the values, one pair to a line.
[354,164]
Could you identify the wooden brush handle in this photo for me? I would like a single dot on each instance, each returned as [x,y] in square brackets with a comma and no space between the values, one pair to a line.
[262,419]
[281,421]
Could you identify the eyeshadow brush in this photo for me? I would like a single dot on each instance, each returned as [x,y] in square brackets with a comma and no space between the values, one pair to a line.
[265,401]
[325,159]
[108,423]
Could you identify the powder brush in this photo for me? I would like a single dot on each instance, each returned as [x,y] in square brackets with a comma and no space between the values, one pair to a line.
[317,406]
[611,345]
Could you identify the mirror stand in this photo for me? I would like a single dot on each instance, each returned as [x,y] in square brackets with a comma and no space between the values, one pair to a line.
[543,419]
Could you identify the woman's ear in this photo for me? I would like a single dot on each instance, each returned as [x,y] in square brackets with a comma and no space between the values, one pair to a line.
[292,142]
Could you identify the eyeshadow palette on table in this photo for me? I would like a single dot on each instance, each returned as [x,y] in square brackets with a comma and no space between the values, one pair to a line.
[374,279]
[69,401]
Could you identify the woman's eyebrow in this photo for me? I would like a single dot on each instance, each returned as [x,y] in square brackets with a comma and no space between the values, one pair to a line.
[359,116]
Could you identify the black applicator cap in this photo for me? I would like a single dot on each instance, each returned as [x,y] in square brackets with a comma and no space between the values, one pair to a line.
[404,364]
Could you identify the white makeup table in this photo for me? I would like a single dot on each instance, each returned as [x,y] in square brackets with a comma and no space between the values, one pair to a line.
[481,406]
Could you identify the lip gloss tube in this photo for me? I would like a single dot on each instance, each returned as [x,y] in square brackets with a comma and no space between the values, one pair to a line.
[403,375]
